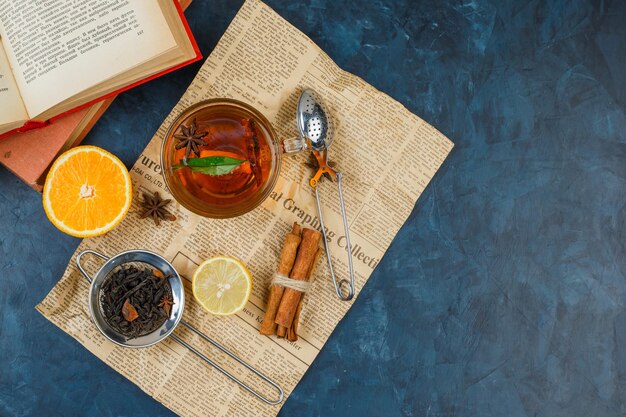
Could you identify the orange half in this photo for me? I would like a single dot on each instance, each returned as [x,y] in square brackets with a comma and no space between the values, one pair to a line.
[87,192]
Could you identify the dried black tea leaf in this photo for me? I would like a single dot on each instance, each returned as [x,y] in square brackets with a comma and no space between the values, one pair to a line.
[136,301]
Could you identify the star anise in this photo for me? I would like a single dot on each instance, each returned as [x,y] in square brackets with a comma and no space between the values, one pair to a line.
[166,304]
[190,140]
[154,206]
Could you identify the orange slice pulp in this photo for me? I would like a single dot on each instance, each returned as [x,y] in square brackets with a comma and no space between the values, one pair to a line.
[87,192]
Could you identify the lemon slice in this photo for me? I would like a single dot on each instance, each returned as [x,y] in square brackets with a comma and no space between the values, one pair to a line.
[222,285]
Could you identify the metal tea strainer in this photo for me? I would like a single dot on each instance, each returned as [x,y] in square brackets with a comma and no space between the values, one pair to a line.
[146,259]
[316,130]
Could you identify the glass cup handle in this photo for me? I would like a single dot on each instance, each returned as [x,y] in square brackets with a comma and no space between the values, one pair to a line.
[295,145]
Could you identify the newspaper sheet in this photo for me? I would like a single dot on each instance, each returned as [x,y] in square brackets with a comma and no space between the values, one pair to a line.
[387,155]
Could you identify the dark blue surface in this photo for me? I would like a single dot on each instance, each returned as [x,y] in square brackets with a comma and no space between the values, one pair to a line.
[503,294]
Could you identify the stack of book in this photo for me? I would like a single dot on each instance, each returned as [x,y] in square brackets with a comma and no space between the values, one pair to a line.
[50,100]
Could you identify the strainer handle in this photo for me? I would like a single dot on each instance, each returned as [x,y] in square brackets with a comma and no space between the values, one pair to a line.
[345,288]
[281,394]
[80,266]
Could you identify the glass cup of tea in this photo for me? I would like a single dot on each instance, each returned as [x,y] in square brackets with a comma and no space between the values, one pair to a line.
[221,158]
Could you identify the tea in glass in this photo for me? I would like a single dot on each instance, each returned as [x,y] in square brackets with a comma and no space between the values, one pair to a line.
[220,158]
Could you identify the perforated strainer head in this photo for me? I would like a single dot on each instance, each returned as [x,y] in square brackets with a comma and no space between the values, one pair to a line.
[313,121]
[139,259]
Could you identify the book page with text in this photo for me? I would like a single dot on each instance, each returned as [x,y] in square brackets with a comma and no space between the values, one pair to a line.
[60,48]
[11,107]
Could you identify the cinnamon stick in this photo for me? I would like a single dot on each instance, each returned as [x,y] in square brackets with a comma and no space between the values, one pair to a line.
[287,258]
[292,332]
[281,331]
[306,254]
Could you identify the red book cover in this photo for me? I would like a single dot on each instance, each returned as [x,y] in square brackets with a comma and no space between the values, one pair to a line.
[29,155]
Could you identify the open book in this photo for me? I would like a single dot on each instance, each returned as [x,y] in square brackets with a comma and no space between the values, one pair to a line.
[60,56]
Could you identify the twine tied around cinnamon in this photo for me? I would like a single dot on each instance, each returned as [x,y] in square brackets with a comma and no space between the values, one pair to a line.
[294,284]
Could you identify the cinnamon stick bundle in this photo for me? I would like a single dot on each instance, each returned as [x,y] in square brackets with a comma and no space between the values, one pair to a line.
[299,255]
[291,298]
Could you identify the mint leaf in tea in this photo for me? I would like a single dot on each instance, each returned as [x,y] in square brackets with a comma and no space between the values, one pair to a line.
[211,165]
